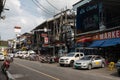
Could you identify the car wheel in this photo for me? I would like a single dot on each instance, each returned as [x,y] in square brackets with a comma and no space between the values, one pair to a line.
[61,65]
[102,65]
[118,73]
[89,67]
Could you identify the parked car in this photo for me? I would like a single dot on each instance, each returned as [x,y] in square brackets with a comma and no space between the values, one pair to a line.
[89,62]
[70,58]
[118,67]
[2,56]
[28,53]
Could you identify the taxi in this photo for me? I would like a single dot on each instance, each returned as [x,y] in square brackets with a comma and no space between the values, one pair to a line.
[89,62]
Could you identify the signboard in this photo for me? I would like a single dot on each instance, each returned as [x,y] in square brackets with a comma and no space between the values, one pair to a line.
[45,40]
[107,35]
[88,17]
[17,29]
[44,35]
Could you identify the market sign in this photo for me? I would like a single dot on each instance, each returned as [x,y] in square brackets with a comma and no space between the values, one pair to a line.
[107,35]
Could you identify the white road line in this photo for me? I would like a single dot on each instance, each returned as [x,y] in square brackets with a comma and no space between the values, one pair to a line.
[38,71]
[10,76]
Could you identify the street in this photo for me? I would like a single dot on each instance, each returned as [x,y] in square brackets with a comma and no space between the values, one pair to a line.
[32,70]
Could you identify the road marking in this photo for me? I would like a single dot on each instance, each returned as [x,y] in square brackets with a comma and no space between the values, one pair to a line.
[10,76]
[38,71]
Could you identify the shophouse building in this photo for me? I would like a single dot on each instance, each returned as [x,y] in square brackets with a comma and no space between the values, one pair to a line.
[98,27]
[54,34]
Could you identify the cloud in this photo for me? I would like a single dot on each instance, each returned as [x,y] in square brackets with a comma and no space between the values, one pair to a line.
[27,15]
[17,16]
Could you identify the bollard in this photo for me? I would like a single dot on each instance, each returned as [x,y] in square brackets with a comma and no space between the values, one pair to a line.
[111,66]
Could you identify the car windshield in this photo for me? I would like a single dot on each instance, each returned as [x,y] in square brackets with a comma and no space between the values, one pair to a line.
[70,55]
[86,58]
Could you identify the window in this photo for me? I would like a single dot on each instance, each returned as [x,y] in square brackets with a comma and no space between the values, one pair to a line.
[98,58]
[77,55]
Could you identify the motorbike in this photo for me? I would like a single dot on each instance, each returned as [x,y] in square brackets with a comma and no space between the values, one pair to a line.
[5,66]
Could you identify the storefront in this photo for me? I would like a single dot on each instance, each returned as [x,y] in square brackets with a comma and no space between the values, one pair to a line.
[106,44]
[95,20]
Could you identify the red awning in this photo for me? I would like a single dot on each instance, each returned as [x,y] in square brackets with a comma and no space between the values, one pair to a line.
[87,39]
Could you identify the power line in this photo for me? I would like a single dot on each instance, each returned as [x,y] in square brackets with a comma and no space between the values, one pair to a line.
[41,8]
[52,5]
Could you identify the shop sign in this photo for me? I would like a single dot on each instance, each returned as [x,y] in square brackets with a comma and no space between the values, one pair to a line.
[108,35]
[44,35]
[45,40]
[17,29]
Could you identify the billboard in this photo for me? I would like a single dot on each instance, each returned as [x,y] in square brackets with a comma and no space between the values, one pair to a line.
[88,17]
[17,29]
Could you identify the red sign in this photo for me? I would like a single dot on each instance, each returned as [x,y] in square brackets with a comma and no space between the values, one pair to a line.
[108,35]
[44,35]
[87,39]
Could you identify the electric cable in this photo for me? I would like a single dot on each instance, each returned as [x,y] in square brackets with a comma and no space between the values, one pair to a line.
[53,5]
[41,8]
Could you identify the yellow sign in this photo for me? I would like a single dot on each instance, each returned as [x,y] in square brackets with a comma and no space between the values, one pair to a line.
[97,63]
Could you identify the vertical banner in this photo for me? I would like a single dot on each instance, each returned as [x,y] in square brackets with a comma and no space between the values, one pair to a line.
[45,40]
[17,29]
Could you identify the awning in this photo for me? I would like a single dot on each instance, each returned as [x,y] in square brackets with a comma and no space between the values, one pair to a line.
[111,42]
[105,43]
[97,43]
[87,39]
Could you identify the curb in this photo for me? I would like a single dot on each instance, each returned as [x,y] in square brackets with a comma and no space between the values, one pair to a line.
[9,76]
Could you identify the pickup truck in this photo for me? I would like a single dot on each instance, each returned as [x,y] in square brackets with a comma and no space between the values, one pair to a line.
[70,58]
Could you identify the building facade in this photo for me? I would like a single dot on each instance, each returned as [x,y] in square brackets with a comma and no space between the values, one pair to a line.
[59,34]
[98,27]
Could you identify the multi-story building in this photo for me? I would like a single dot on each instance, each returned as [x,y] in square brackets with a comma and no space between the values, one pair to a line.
[59,34]
[98,27]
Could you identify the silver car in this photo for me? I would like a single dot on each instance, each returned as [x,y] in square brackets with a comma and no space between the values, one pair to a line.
[89,62]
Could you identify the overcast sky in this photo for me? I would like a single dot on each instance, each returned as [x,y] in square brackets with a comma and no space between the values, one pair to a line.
[27,15]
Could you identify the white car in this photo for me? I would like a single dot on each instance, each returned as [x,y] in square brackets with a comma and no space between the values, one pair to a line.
[2,56]
[29,53]
[70,58]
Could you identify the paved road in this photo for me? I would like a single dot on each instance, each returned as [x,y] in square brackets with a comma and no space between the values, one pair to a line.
[31,70]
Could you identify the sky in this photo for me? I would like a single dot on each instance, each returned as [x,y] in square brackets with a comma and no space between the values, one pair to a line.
[28,14]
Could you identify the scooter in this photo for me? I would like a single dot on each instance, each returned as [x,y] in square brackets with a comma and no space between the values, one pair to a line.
[5,66]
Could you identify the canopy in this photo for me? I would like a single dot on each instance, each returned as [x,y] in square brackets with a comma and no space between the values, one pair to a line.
[97,43]
[111,42]
[105,43]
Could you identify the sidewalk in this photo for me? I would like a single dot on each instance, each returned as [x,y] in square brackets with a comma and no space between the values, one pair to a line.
[2,76]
